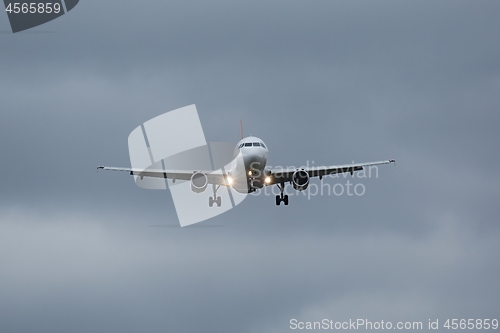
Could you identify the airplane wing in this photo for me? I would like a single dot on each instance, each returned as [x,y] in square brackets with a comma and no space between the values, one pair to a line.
[283,175]
[215,177]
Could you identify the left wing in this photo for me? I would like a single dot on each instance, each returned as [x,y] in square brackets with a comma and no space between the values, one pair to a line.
[285,175]
[215,177]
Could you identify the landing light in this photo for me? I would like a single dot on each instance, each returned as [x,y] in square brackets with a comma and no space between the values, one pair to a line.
[229,180]
[267,180]
[250,172]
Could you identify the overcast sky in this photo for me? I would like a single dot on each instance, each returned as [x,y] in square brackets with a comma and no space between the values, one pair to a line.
[324,81]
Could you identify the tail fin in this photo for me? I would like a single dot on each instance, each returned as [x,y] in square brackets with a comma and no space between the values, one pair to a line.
[241,129]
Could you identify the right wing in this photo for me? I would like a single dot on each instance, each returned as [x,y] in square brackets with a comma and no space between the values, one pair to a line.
[285,175]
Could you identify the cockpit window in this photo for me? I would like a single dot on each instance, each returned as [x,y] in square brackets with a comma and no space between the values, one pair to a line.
[256,144]
[248,144]
[241,146]
[263,145]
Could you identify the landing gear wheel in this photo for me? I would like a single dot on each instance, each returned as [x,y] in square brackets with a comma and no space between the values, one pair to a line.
[281,197]
[214,199]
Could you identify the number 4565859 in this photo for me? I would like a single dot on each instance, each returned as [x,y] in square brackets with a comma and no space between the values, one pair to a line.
[33,8]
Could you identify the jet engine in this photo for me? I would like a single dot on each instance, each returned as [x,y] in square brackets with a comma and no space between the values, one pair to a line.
[300,180]
[199,182]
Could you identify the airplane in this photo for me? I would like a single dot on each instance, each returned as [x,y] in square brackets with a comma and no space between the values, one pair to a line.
[248,173]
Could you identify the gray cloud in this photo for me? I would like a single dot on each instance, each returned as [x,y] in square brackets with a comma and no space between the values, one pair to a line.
[325,81]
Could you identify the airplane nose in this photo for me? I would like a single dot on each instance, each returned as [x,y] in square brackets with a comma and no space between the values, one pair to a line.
[257,161]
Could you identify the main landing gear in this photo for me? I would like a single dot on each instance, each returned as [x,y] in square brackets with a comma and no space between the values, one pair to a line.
[215,199]
[281,197]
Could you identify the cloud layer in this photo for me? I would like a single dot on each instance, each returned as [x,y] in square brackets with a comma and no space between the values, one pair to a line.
[329,82]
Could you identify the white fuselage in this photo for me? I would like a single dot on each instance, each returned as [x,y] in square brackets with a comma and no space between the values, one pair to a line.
[248,168]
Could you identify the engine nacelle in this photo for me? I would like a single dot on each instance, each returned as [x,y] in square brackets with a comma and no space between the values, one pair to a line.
[199,182]
[300,180]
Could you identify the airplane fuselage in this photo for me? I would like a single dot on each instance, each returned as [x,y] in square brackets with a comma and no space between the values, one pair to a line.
[247,171]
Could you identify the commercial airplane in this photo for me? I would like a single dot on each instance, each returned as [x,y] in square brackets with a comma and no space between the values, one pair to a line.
[247,173]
